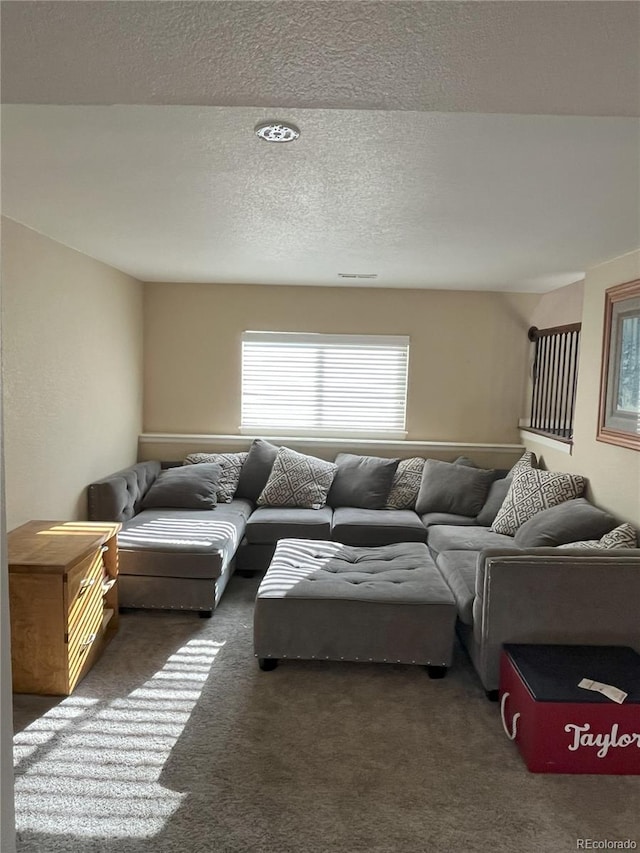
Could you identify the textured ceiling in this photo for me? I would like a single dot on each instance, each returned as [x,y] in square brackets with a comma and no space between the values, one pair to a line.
[463,145]
[572,58]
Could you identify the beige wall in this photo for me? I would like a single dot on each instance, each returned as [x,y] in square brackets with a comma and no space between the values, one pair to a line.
[613,472]
[559,307]
[467,358]
[72,374]
[7,814]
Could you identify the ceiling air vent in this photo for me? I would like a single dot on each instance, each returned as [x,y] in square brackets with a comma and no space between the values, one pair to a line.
[357,275]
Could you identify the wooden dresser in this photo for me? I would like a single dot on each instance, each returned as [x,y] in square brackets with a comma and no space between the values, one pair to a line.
[63,599]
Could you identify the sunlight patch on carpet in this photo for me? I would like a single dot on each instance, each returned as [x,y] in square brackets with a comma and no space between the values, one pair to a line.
[90,767]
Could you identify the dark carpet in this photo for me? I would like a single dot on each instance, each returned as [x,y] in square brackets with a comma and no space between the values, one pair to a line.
[177,743]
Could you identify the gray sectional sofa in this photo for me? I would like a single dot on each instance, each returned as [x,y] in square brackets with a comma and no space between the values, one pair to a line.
[506,589]
[169,558]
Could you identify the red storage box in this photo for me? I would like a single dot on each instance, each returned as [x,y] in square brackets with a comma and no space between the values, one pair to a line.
[562,728]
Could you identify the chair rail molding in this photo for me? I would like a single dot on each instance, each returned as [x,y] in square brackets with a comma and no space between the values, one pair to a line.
[207,439]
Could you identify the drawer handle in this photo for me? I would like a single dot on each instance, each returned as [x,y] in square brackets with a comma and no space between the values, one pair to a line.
[514,722]
[85,584]
[90,639]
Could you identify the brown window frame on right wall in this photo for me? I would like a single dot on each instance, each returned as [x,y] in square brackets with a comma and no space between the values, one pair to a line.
[617,425]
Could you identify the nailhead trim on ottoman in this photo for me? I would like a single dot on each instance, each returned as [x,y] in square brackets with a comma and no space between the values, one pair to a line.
[338,602]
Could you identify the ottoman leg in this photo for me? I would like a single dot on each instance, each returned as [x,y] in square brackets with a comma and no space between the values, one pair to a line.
[267,664]
[436,671]
[492,695]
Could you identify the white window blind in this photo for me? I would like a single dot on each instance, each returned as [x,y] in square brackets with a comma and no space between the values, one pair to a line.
[324,384]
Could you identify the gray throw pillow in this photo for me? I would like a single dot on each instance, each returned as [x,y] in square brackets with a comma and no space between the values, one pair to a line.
[298,480]
[570,521]
[495,499]
[464,460]
[256,469]
[362,481]
[231,464]
[189,487]
[458,489]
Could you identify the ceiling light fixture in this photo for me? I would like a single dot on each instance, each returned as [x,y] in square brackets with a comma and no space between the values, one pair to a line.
[277,131]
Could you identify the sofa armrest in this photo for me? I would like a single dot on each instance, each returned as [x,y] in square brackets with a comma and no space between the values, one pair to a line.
[118,496]
[542,595]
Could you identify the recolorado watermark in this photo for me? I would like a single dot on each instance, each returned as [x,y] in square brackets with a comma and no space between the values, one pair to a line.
[605,844]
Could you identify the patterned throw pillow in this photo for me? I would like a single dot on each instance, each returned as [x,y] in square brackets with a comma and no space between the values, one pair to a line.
[530,492]
[298,480]
[527,461]
[623,536]
[406,484]
[231,464]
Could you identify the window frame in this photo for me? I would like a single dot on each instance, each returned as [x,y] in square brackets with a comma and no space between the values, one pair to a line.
[616,426]
[318,338]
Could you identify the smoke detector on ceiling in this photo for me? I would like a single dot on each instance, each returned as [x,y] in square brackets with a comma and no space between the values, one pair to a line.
[277,131]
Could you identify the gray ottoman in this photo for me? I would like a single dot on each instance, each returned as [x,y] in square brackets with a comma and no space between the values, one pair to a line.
[329,601]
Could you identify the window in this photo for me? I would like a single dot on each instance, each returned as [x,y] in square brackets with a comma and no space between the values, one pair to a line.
[619,418]
[324,384]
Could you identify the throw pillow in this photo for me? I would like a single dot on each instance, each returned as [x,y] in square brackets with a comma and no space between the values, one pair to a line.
[624,536]
[457,489]
[567,522]
[362,481]
[190,487]
[256,469]
[298,480]
[532,491]
[464,460]
[406,484]
[527,461]
[231,464]
[495,499]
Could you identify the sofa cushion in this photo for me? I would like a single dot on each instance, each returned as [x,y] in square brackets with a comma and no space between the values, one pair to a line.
[182,543]
[447,537]
[406,484]
[429,519]
[190,487]
[362,481]
[297,480]
[530,492]
[269,524]
[570,521]
[372,527]
[497,493]
[458,568]
[448,487]
[231,464]
[624,536]
[256,469]
[527,461]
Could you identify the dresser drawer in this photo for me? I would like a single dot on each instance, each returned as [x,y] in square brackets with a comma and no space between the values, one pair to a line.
[87,631]
[83,581]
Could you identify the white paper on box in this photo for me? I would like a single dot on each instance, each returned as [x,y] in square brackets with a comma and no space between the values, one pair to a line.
[613,693]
